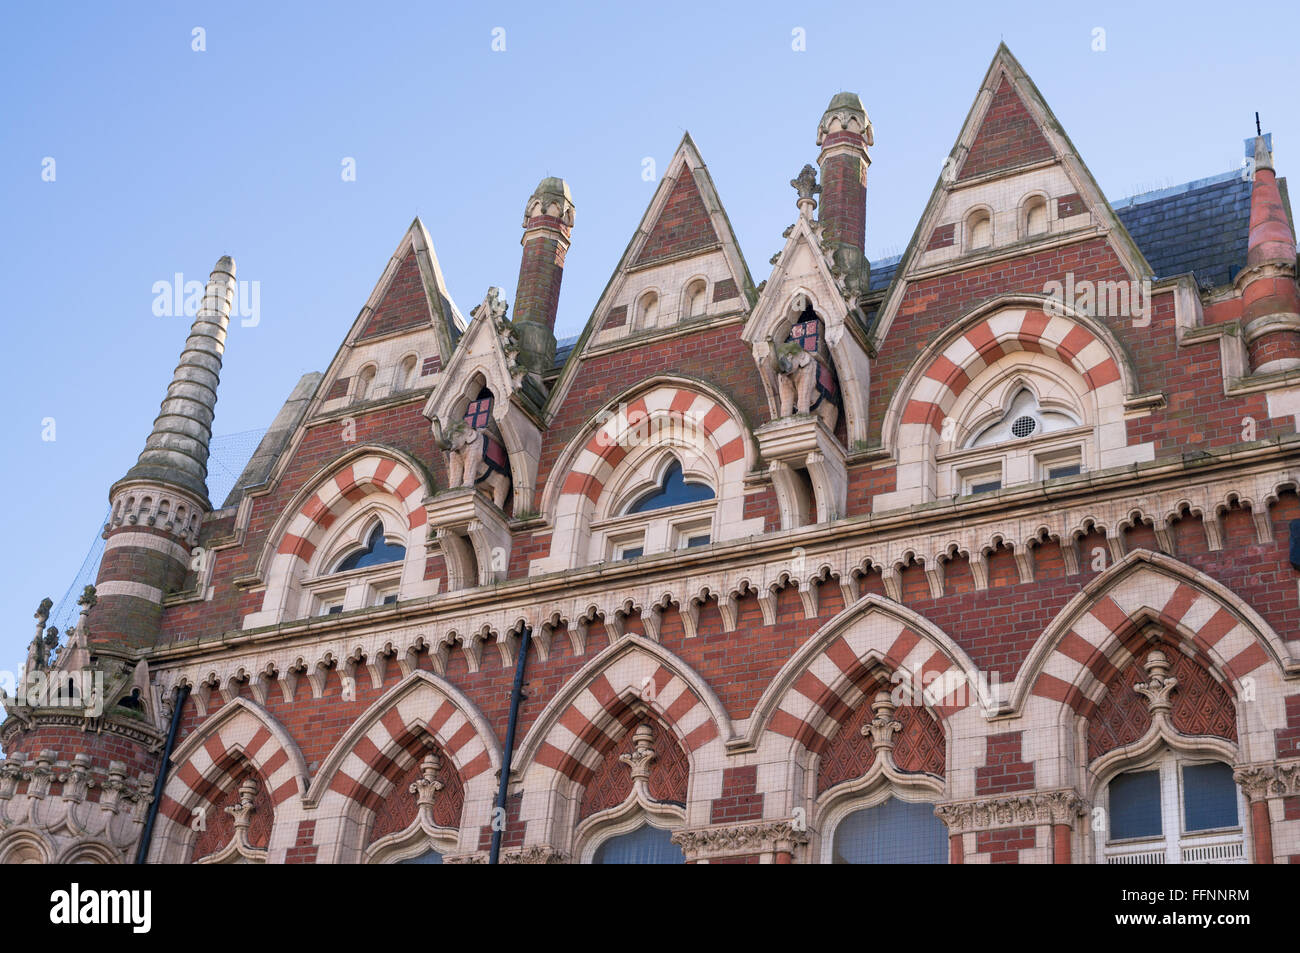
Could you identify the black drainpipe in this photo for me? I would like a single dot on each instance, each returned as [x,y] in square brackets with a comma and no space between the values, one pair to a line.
[146,835]
[515,694]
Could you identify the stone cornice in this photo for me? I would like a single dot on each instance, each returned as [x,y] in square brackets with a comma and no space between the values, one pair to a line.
[754,837]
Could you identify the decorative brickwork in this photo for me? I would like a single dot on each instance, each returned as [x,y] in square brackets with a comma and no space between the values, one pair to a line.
[1007,137]
[404,305]
[683,226]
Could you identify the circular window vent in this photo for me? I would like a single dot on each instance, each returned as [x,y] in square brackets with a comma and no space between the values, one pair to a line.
[1024,426]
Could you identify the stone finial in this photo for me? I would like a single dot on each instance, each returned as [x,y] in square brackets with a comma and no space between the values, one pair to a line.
[883,726]
[805,183]
[43,613]
[552,199]
[87,600]
[845,114]
[243,811]
[426,787]
[1159,684]
[642,754]
[1263,156]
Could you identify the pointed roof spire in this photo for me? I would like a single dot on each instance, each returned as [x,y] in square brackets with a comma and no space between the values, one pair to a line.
[1270,232]
[176,453]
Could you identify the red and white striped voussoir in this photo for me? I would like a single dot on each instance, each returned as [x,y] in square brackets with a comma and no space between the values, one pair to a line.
[370,474]
[599,716]
[1102,640]
[395,740]
[607,447]
[1006,332]
[837,680]
[198,781]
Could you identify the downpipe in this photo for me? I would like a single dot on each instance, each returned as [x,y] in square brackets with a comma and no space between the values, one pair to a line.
[146,836]
[516,693]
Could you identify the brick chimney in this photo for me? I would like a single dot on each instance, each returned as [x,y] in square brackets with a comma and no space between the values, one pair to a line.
[1270,296]
[844,134]
[548,218]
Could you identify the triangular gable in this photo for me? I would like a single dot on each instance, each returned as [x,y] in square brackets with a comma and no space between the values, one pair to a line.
[683,225]
[1009,127]
[1008,136]
[486,347]
[685,216]
[411,293]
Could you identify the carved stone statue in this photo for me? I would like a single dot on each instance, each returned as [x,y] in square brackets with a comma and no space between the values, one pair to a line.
[797,372]
[476,456]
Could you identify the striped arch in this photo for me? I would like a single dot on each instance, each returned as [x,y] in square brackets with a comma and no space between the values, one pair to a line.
[207,763]
[392,736]
[1096,634]
[567,742]
[945,374]
[662,413]
[348,485]
[311,523]
[821,685]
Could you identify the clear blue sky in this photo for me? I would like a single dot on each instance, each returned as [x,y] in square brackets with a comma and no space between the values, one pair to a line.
[167,158]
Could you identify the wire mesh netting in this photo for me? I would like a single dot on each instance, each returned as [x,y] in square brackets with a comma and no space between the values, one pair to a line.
[227,457]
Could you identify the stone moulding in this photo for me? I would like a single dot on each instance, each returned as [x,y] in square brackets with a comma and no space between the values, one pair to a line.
[1015,810]
[703,843]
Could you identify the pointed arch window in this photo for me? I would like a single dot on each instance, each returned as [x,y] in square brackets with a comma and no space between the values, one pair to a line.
[895,832]
[645,845]
[378,551]
[673,491]
[1024,418]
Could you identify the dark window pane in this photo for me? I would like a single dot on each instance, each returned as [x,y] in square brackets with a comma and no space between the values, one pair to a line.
[1209,797]
[645,845]
[377,552]
[390,599]
[1135,805]
[702,540]
[632,552]
[896,832]
[674,492]
[987,487]
[334,610]
[1068,471]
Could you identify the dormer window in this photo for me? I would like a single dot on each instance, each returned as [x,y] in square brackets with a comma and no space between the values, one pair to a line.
[377,552]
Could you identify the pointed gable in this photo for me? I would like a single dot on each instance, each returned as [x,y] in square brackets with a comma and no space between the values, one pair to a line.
[404,304]
[1008,136]
[683,225]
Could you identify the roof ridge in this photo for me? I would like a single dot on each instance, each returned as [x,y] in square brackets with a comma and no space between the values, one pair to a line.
[1141,198]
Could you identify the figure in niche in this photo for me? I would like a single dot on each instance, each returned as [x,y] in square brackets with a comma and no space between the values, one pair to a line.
[805,381]
[474,453]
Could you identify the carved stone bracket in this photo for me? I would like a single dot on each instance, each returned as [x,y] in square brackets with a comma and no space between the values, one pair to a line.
[1045,807]
[473,535]
[804,442]
[756,837]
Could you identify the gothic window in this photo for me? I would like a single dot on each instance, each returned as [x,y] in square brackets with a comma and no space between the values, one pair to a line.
[377,552]
[674,491]
[479,411]
[895,832]
[1174,810]
[1017,438]
[428,857]
[645,845]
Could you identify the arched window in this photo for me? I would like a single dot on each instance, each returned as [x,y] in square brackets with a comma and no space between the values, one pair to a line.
[364,380]
[645,845]
[979,230]
[428,857]
[1024,418]
[694,303]
[895,832]
[407,372]
[673,491]
[1035,216]
[377,552]
[647,309]
[1174,810]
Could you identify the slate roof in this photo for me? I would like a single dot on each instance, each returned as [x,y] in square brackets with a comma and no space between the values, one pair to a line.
[1199,227]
